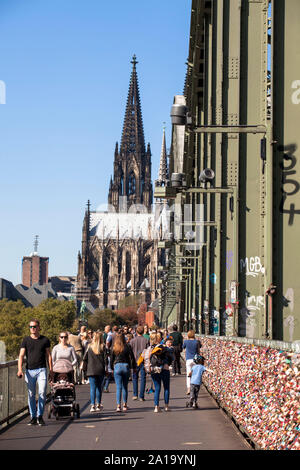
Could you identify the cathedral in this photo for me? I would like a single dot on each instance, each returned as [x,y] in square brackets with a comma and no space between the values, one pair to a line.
[119,253]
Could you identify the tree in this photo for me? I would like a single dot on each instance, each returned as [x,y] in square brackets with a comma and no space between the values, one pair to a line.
[54,316]
[100,318]
[14,318]
[128,316]
[142,314]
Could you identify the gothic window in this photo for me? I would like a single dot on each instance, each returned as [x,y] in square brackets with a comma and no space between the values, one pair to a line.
[132,144]
[122,185]
[128,268]
[131,184]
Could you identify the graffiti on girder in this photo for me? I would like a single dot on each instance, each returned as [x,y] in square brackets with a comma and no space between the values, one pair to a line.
[290,186]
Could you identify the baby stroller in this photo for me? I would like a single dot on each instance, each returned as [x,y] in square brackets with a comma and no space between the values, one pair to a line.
[63,398]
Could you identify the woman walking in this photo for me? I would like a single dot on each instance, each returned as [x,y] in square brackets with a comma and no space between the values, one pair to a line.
[95,365]
[192,346]
[64,352]
[122,361]
[157,358]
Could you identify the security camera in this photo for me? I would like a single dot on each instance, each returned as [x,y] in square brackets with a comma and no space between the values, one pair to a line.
[207,176]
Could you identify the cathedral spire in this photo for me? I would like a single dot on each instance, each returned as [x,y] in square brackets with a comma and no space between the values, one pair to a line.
[132,162]
[163,167]
[133,132]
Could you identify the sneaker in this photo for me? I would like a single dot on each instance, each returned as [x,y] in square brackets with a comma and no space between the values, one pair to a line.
[93,408]
[40,421]
[173,375]
[125,408]
[167,408]
[142,399]
[195,406]
[118,408]
[134,398]
[99,407]
[32,422]
[156,409]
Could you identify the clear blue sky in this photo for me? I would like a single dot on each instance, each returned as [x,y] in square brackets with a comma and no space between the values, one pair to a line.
[66,67]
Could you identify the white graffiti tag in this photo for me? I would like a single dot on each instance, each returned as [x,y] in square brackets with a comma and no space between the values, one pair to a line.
[252,266]
[255,303]
[296,94]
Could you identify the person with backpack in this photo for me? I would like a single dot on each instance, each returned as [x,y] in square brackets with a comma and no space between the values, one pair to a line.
[138,344]
[157,359]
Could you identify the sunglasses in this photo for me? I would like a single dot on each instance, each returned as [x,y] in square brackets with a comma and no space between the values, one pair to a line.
[63,337]
[33,326]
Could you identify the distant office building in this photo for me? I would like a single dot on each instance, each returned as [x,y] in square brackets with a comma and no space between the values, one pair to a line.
[34,270]
[63,284]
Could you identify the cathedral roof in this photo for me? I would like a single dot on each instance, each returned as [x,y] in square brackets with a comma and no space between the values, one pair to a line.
[110,225]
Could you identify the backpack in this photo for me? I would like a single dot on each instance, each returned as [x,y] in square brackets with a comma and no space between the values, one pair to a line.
[156,359]
[152,358]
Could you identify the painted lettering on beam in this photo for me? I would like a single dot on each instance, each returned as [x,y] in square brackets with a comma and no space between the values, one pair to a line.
[296,94]
[252,266]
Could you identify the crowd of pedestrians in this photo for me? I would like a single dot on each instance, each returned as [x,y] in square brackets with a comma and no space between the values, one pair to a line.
[118,354]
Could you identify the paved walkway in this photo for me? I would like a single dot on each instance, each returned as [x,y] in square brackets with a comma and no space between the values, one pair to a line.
[207,428]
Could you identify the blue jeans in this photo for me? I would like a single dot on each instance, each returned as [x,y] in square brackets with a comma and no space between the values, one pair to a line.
[95,388]
[163,377]
[106,382]
[121,374]
[135,378]
[35,377]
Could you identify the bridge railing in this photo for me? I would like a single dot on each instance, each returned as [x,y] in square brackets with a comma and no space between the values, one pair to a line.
[264,343]
[256,382]
[13,393]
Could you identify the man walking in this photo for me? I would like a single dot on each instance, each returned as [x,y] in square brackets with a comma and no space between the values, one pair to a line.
[107,332]
[107,338]
[177,345]
[138,344]
[36,348]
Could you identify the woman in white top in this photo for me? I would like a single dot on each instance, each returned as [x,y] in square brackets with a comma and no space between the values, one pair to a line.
[64,351]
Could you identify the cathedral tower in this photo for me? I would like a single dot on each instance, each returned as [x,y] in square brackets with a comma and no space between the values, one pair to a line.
[132,161]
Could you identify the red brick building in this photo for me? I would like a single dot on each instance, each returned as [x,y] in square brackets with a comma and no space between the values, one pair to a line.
[34,270]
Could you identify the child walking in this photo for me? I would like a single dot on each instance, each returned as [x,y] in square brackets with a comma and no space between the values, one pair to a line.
[196,379]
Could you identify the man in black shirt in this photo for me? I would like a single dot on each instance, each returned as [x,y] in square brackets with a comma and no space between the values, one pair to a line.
[36,348]
[177,345]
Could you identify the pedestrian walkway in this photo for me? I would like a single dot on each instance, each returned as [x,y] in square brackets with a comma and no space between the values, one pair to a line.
[207,428]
